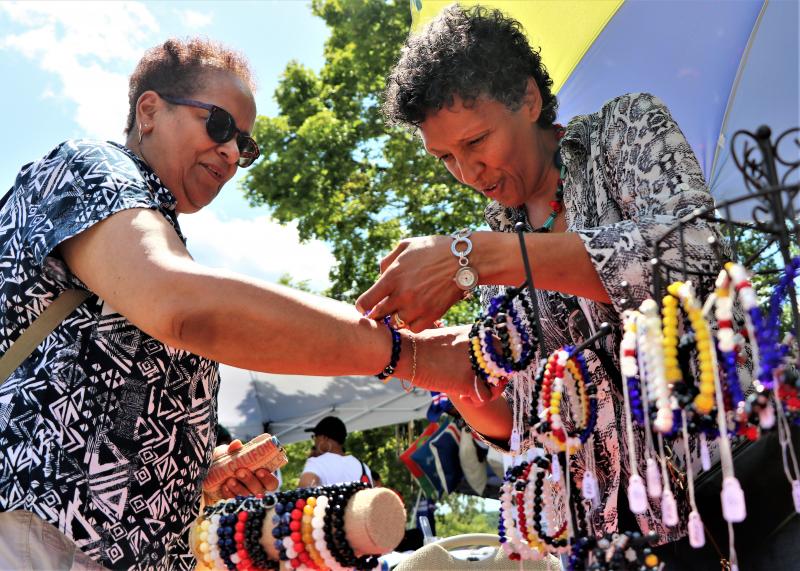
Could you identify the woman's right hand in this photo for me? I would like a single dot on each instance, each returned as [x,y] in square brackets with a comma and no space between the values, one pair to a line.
[416,283]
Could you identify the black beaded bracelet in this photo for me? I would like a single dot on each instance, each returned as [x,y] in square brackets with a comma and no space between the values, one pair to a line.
[335,537]
[389,369]
[252,539]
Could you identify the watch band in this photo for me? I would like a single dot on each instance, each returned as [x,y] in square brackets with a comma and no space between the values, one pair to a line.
[466,277]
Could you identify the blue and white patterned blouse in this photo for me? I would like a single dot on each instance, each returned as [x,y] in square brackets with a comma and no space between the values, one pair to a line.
[105,432]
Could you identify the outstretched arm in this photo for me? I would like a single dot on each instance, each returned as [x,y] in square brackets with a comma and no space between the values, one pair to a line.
[137,264]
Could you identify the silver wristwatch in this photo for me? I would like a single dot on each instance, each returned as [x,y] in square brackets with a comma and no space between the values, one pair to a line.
[466,277]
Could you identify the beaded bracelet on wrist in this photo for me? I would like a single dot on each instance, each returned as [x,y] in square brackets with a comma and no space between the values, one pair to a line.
[389,369]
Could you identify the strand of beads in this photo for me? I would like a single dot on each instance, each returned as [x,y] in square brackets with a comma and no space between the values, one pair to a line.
[511,533]
[757,404]
[552,432]
[726,343]
[684,292]
[629,365]
[318,533]
[501,322]
[658,357]
[489,373]
[335,537]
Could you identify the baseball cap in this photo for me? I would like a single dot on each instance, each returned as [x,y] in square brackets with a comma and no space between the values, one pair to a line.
[332,427]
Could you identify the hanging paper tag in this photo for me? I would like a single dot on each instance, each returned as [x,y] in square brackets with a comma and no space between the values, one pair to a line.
[637,496]
[697,536]
[669,509]
[766,417]
[733,507]
[514,441]
[705,456]
[796,495]
[653,479]
[589,486]
[555,468]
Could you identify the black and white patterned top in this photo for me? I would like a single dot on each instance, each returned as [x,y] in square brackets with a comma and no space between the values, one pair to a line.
[105,432]
[630,175]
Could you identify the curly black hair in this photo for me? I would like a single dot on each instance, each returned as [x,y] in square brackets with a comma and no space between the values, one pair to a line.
[468,52]
[179,67]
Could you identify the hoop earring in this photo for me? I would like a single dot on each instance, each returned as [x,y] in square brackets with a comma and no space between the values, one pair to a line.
[141,133]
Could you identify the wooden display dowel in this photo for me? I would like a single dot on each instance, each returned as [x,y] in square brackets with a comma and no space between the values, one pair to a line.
[374,523]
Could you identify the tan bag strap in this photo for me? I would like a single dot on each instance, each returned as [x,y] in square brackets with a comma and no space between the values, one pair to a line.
[41,327]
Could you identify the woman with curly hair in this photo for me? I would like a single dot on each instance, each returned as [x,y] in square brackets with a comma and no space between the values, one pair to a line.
[592,197]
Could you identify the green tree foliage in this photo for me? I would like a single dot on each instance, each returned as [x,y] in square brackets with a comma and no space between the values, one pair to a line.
[460,514]
[330,163]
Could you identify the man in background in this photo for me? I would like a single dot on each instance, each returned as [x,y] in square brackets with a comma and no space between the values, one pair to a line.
[328,463]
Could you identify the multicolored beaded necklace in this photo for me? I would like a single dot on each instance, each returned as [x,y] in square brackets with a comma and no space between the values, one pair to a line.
[557,203]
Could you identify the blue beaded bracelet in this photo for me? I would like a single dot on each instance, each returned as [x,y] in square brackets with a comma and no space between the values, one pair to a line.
[389,369]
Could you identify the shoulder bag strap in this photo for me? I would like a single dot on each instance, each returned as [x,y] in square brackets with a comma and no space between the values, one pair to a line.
[41,327]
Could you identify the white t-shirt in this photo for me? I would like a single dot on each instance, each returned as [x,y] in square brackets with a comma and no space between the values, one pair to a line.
[335,469]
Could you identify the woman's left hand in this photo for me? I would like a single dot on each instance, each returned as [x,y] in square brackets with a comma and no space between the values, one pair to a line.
[416,283]
[246,482]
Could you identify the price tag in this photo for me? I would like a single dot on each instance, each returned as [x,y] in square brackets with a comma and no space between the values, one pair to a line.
[669,509]
[705,456]
[589,486]
[697,536]
[653,479]
[555,468]
[796,495]
[637,496]
[514,442]
[733,506]
[766,417]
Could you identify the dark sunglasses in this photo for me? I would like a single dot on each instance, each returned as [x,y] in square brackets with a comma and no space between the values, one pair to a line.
[221,128]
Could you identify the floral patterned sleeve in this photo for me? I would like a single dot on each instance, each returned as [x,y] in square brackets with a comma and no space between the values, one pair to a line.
[648,172]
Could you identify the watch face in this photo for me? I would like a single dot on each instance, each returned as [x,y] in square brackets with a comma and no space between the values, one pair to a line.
[466,278]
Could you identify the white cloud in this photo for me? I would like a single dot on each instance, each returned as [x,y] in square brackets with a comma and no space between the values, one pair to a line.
[82,43]
[193,19]
[258,247]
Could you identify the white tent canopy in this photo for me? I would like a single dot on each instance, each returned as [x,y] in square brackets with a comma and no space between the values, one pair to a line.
[292,403]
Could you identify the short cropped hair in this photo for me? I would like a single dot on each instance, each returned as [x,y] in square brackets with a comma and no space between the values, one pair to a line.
[179,68]
[468,52]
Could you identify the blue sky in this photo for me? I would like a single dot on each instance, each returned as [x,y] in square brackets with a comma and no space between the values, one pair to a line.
[65,68]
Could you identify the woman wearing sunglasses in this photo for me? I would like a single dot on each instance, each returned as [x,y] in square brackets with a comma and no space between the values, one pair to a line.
[107,427]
